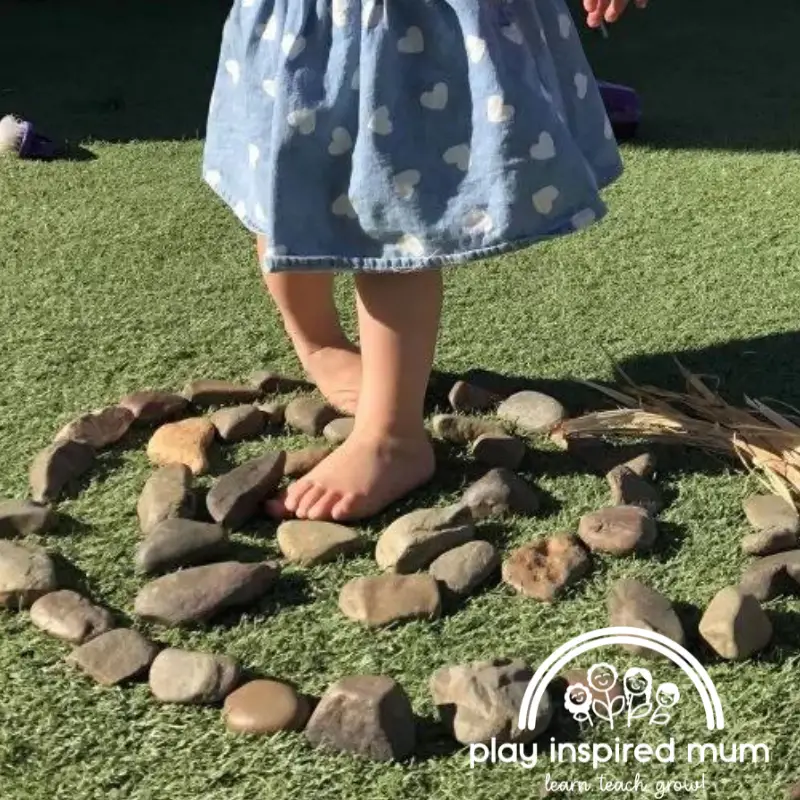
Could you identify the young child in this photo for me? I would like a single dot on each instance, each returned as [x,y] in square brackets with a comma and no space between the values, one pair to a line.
[391,138]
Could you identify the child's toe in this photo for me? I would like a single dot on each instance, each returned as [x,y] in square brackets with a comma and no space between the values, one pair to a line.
[324,506]
[308,499]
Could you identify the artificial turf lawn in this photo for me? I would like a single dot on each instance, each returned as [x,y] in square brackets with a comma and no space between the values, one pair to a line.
[123,272]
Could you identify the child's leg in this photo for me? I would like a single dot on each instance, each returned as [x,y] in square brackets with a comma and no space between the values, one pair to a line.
[388,453]
[305,302]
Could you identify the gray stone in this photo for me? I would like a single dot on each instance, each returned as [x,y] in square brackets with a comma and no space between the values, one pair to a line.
[632,604]
[237,423]
[113,657]
[414,540]
[274,411]
[309,415]
[182,676]
[384,599]
[200,593]
[643,465]
[765,511]
[545,568]
[735,625]
[501,493]
[26,574]
[301,462]
[185,442]
[465,568]
[619,530]
[630,489]
[204,393]
[499,451]
[308,542]
[98,429]
[177,543]
[167,494]
[58,465]
[532,412]
[467,398]
[22,518]
[236,496]
[369,715]
[337,430]
[773,576]
[268,382]
[480,702]
[154,407]
[769,541]
[460,429]
[69,616]
[265,707]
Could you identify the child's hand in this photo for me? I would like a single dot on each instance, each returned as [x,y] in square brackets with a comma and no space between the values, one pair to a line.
[600,11]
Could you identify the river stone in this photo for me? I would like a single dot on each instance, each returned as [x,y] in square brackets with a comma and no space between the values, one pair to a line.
[182,676]
[630,489]
[412,541]
[69,616]
[600,457]
[177,543]
[167,494]
[154,407]
[184,442]
[26,573]
[22,518]
[369,715]
[273,410]
[309,415]
[236,496]
[113,657]
[765,511]
[384,599]
[633,604]
[467,398]
[301,462]
[501,493]
[463,569]
[735,625]
[337,430]
[480,702]
[499,451]
[200,593]
[544,568]
[772,576]
[237,423]
[532,412]
[98,429]
[265,707]
[618,530]
[57,466]
[769,541]
[462,429]
[274,383]
[210,392]
[308,542]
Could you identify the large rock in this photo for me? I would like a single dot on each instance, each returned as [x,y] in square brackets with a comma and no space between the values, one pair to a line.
[238,423]
[496,450]
[309,415]
[630,489]
[236,496]
[384,599]
[274,411]
[154,407]
[735,625]
[69,616]
[618,530]
[634,605]
[467,398]
[58,465]
[770,541]
[308,542]
[182,676]
[480,702]
[460,429]
[117,656]
[766,511]
[501,493]
[98,429]
[200,593]
[22,518]
[369,715]
[211,392]
[773,576]
[26,573]
[185,442]
[544,568]
[532,412]
[167,494]
[301,462]
[465,568]
[265,707]
[412,541]
[177,543]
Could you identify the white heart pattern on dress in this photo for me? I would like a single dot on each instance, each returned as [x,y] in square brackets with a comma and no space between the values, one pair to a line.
[371,14]
[292,45]
[342,207]
[240,210]
[544,149]
[544,199]
[497,110]
[269,86]
[436,98]
[412,42]
[341,141]
[355,83]
[404,182]
[339,9]
[581,85]
[213,177]
[304,119]
[608,130]
[478,222]
[513,33]
[411,246]
[271,29]
[233,69]
[564,26]
[459,156]
[476,48]
[253,153]
[258,210]
[583,219]
[380,123]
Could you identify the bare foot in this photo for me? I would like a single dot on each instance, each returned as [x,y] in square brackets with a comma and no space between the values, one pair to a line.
[337,374]
[358,480]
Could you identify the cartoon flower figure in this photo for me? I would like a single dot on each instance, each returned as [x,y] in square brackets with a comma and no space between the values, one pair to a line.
[578,701]
[602,679]
[638,687]
[667,696]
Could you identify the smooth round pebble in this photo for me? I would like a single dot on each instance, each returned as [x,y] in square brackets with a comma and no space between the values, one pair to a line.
[264,706]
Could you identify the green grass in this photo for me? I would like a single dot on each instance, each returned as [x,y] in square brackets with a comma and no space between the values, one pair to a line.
[124,272]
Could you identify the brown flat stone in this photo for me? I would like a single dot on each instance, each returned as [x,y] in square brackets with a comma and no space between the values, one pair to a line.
[69,616]
[211,392]
[113,657]
[308,542]
[22,518]
[384,599]
[460,429]
[185,442]
[265,707]
[309,415]
[154,407]
[499,451]
[301,462]
[26,574]
[99,428]
[237,423]
[167,494]
[57,466]
[619,530]
[466,398]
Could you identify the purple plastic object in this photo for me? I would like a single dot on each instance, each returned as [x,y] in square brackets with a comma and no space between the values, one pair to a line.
[623,108]
[34,145]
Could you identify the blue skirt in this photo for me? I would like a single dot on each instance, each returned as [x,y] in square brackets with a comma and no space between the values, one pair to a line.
[391,135]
